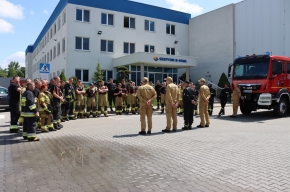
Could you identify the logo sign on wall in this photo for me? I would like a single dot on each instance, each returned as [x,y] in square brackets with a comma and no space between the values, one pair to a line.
[156,58]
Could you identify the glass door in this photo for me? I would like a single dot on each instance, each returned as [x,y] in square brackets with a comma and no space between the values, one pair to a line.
[159,77]
[151,77]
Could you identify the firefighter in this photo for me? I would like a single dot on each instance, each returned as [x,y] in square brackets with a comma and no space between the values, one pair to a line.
[157,89]
[80,104]
[102,101]
[211,100]
[180,103]
[204,96]
[236,100]
[171,99]
[224,95]
[119,93]
[124,87]
[36,93]
[14,91]
[146,94]
[23,89]
[56,102]
[70,98]
[29,113]
[45,109]
[137,108]
[111,98]
[91,100]
[131,98]
[196,93]
[163,94]
[63,103]
[189,100]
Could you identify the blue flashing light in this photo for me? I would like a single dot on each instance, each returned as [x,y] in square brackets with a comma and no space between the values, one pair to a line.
[268,53]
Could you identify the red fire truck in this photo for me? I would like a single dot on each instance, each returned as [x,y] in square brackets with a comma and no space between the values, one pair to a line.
[264,81]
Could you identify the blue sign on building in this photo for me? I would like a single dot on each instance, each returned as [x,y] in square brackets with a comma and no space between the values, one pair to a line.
[44,68]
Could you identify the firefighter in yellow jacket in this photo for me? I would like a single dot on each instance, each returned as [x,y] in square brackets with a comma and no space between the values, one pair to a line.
[204,96]
[27,80]
[146,94]
[102,102]
[236,99]
[45,109]
[91,100]
[80,104]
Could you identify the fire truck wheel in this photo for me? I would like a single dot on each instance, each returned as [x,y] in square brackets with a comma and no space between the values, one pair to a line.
[281,108]
[245,110]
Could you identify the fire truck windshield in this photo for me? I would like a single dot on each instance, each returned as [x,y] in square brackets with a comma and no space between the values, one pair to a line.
[251,70]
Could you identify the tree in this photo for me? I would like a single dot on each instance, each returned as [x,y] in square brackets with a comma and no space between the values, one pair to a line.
[62,76]
[124,73]
[98,75]
[182,77]
[11,72]
[223,80]
[75,80]
[3,72]
[15,65]
[15,69]
[19,73]
[22,69]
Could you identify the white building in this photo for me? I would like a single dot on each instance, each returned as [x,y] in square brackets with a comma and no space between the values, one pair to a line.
[151,41]
[154,41]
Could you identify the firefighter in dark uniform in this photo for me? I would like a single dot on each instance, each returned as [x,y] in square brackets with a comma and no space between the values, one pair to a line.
[70,98]
[57,99]
[157,89]
[91,100]
[63,103]
[131,98]
[29,113]
[14,103]
[211,100]
[189,99]
[225,93]
[111,98]
[124,87]
[119,92]
[162,91]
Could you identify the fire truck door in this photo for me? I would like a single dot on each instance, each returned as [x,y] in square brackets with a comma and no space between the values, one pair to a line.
[283,79]
[277,71]
[288,76]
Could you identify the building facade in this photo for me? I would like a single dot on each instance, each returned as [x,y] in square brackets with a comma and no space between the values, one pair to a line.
[80,33]
[156,42]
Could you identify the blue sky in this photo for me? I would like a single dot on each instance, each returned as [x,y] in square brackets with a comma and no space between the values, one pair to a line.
[22,20]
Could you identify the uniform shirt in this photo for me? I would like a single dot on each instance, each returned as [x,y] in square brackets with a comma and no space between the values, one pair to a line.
[36,92]
[188,96]
[172,94]
[29,104]
[44,101]
[236,94]
[124,87]
[101,88]
[131,90]
[212,93]
[117,90]
[157,89]
[146,92]
[91,92]
[80,88]
[225,94]
[14,95]
[162,90]
[111,88]
[57,91]
[69,92]
[204,94]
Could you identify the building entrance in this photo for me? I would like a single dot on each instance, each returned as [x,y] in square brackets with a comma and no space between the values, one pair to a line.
[154,77]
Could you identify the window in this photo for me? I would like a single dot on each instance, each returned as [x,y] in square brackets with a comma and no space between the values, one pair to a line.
[58,49]
[58,73]
[82,43]
[149,25]
[107,19]
[107,46]
[83,15]
[170,29]
[50,33]
[129,48]
[54,52]
[54,27]
[58,23]
[170,51]
[3,91]
[129,22]
[276,67]
[149,48]
[47,56]
[45,59]
[64,18]
[50,54]
[63,45]
[107,75]
[82,74]
[288,67]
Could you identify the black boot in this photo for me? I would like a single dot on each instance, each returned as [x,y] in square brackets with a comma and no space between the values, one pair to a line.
[56,127]
[59,125]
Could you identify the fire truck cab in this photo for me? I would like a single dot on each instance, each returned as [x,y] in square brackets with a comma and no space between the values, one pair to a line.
[264,81]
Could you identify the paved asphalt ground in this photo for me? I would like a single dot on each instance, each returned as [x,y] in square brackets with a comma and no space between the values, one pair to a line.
[250,153]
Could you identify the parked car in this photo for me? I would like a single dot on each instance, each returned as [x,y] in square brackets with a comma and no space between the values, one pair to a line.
[4,98]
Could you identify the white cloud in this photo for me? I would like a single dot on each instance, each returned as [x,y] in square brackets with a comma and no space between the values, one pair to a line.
[9,10]
[18,57]
[31,12]
[45,12]
[185,6]
[5,27]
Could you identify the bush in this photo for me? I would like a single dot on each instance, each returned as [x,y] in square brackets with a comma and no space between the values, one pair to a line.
[62,76]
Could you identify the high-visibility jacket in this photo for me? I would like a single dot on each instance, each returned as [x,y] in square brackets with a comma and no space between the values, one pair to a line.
[28,104]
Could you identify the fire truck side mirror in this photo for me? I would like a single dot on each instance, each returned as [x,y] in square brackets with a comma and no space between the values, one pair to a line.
[229,70]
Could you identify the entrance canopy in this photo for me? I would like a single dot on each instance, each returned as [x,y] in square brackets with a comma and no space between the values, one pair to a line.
[155,60]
